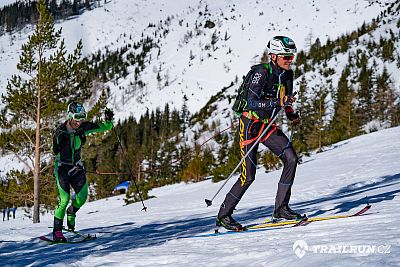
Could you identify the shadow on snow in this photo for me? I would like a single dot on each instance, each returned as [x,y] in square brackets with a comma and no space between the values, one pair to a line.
[117,238]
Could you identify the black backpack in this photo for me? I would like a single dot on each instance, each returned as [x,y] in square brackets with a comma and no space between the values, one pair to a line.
[240,104]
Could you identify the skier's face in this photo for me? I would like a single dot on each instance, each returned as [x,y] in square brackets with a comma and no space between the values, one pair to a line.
[75,124]
[283,61]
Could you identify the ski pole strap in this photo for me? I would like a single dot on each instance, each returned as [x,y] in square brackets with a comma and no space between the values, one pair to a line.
[273,129]
[78,164]
[247,142]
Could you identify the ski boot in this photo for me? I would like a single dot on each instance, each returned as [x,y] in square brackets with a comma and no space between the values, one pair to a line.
[286,213]
[230,224]
[59,237]
[71,221]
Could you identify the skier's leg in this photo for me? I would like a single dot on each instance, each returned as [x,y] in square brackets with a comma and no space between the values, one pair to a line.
[248,170]
[279,144]
[62,181]
[79,184]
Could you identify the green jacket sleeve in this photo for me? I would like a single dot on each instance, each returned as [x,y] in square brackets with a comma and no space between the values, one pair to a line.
[95,127]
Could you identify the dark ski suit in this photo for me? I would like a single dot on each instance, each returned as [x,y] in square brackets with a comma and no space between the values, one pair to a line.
[263,92]
[68,167]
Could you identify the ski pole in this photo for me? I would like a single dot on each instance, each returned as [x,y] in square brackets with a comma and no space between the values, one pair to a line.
[291,134]
[209,201]
[292,127]
[130,170]
[111,173]
[106,173]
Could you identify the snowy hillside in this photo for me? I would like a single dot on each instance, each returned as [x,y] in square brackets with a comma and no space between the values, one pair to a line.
[173,231]
[6,2]
[193,60]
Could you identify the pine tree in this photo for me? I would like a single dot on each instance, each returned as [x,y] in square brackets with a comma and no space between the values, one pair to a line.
[199,166]
[316,137]
[194,170]
[387,48]
[185,116]
[270,161]
[35,100]
[53,8]
[301,131]
[384,106]
[75,7]
[344,124]
[227,163]
[365,92]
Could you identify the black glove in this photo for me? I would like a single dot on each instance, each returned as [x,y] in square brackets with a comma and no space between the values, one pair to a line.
[294,118]
[108,114]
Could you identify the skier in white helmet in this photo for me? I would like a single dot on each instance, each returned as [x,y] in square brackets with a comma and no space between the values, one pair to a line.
[266,89]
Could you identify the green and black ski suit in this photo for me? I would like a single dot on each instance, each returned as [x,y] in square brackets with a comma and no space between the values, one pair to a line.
[268,84]
[68,166]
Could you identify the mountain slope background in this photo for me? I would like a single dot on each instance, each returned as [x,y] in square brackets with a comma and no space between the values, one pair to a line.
[191,55]
[241,33]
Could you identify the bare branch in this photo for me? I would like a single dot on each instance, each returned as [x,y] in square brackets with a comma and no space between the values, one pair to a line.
[46,168]
[22,160]
[26,134]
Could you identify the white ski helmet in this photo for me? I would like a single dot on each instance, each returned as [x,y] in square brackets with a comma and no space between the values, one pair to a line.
[281,45]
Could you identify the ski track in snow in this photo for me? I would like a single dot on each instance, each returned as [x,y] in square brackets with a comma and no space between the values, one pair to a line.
[340,180]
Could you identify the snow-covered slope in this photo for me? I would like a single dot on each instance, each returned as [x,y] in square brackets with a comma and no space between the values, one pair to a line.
[242,31]
[386,28]
[339,180]
[6,2]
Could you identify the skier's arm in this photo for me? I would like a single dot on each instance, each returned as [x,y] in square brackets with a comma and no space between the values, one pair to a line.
[90,127]
[289,91]
[95,127]
[290,113]
[255,102]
